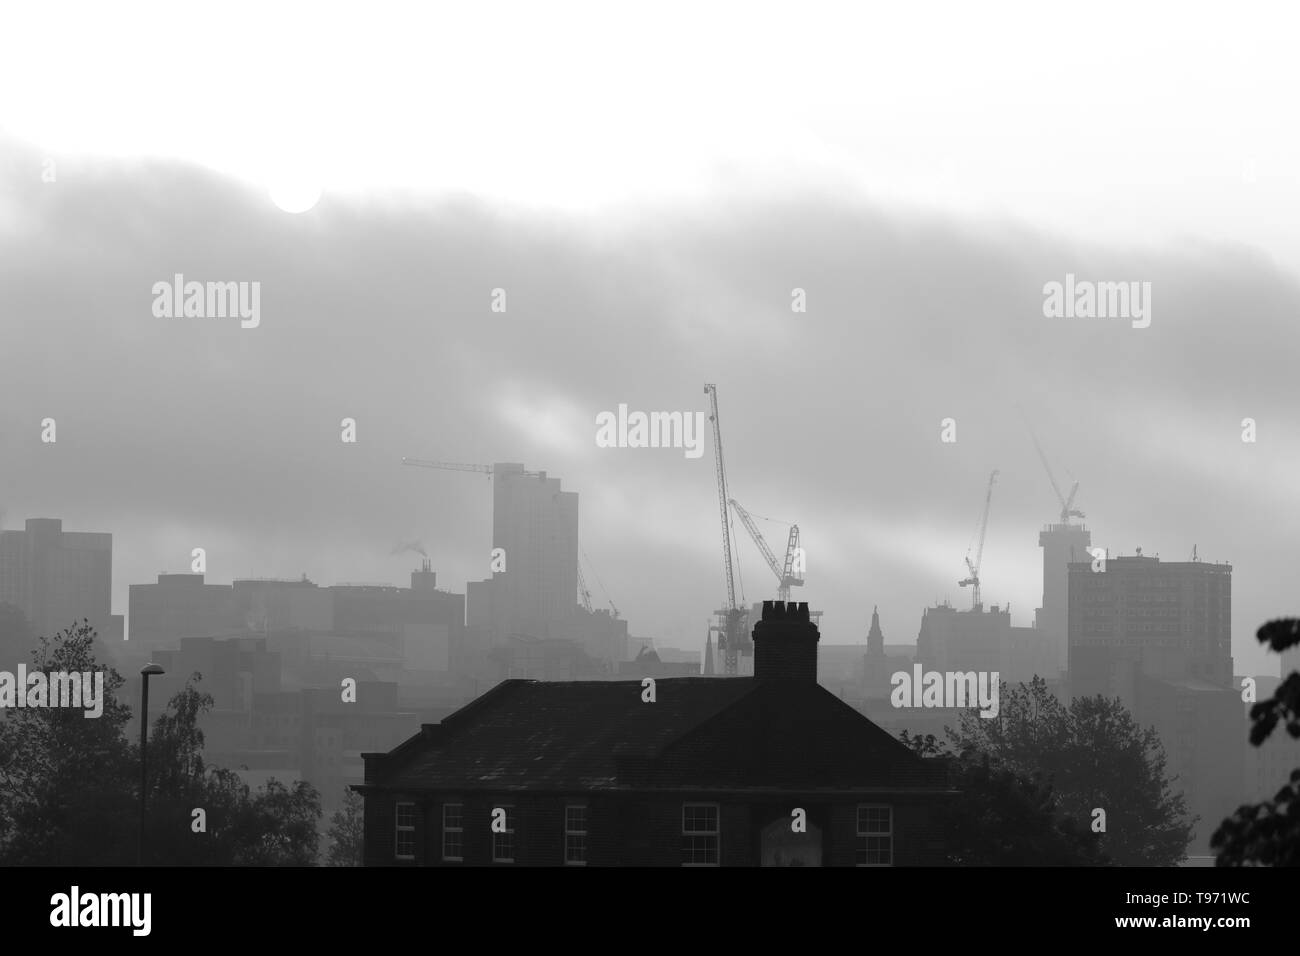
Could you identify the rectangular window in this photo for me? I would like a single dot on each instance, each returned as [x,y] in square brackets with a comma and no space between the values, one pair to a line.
[575,835]
[503,844]
[453,831]
[875,835]
[405,842]
[699,834]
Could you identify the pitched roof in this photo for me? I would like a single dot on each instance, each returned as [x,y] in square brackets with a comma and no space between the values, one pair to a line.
[579,735]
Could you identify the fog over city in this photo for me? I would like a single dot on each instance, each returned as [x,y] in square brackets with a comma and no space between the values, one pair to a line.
[199,433]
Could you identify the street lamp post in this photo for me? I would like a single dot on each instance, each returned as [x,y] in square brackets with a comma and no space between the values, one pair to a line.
[149,670]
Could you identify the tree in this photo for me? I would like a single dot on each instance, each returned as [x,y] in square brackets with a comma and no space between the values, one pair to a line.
[346,831]
[63,791]
[275,825]
[1268,833]
[69,784]
[1004,818]
[1094,756]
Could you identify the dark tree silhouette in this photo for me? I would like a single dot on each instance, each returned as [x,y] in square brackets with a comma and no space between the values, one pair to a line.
[1004,818]
[1094,756]
[65,785]
[273,826]
[69,784]
[1268,834]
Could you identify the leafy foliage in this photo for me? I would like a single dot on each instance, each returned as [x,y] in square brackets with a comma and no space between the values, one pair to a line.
[63,798]
[1004,818]
[1268,833]
[1074,758]
[69,784]
[346,832]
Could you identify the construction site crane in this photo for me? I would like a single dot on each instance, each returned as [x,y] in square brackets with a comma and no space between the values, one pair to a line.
[734,615]
[583,584]
[1066,502]
[784,573]
[974,579]
[583,592]
[457,466]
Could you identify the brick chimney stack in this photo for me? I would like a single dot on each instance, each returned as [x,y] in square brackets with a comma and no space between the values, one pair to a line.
[785,643]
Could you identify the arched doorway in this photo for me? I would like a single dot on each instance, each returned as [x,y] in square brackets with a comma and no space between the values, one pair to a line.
[781,846]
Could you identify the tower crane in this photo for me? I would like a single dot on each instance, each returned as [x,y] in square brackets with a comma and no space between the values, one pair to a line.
[974,578]
[1067,511]
[582,584]
[457,466]
[734,615]
[583,592]
[784,573]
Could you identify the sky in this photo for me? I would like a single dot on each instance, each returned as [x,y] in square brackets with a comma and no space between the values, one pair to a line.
[649,186]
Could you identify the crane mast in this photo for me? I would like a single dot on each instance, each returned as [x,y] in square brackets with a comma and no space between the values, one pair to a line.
[791,546]
[731,652]
[974,569]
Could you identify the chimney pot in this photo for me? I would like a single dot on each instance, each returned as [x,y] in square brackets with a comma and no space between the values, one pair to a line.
[785,643]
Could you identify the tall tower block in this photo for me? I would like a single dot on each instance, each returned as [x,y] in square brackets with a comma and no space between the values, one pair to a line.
[536,524]
[1062,545]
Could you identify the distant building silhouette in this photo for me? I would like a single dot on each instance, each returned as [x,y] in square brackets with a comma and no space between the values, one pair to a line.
[983,639]
[770,769]
[877,668]
[58,577]
[1268,766]
[535,526]
[1063,545]
[1158,635]
[648,663]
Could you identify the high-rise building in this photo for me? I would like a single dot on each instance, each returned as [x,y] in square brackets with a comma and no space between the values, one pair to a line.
[1167,620]
[535,526]
[1063,545]
[58,577]
[1158,636]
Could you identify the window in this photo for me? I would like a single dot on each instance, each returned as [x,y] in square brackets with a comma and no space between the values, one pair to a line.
[453,831]
[875,836]
[575,835]
[503,844]
[404,847]
[699,834]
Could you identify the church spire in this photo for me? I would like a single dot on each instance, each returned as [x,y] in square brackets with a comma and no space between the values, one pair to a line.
[875,637]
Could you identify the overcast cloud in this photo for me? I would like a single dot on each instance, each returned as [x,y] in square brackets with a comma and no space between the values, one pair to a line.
[182,433]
